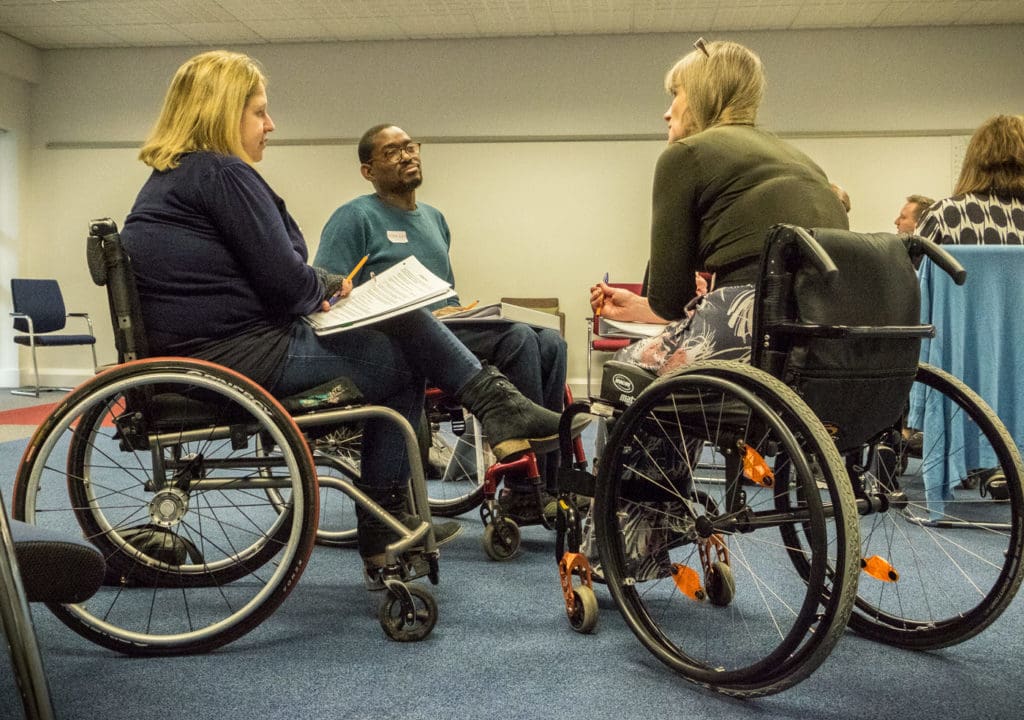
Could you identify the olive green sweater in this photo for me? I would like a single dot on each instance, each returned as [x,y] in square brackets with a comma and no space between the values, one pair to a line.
[716,193]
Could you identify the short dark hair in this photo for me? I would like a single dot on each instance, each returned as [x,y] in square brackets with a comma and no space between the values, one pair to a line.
[365,148]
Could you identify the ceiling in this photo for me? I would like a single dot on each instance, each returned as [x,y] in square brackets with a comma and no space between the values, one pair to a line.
[50,24]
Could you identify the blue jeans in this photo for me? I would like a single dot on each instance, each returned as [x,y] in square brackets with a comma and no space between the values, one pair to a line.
[388,361]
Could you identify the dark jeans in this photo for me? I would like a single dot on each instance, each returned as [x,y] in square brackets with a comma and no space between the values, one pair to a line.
[388,361]
[534,359]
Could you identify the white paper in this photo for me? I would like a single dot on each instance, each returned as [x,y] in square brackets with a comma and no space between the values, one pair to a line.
[621,328]
[399,289]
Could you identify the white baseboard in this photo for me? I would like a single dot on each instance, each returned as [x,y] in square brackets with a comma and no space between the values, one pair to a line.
[49,377]
[9,378]
[578,386]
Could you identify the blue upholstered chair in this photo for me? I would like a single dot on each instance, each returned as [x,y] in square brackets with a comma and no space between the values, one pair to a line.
[39,316]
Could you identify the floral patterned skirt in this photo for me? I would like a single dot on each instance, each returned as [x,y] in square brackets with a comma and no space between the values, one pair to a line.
[719,328]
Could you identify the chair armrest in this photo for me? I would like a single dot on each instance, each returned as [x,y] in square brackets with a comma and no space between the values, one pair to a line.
[27,318]
[84,316]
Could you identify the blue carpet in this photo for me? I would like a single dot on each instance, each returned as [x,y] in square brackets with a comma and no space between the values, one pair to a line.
[502,647]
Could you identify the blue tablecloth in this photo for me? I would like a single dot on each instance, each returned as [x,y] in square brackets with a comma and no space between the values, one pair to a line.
[980,339]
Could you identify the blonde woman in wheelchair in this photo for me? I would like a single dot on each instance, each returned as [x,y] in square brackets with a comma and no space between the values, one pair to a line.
[222,274]
[718,186]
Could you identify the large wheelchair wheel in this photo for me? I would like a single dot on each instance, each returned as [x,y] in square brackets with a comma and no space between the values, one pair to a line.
[695,555]
[197,487]
[336,525]
[947,535]
[456,469]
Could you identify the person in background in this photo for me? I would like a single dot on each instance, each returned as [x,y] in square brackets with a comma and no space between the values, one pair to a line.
[221,271]
[844,197]
[391,225]
[987,205]
[910,213]
[718,186]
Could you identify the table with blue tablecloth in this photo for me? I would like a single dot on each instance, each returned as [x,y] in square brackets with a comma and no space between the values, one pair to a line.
[979,338]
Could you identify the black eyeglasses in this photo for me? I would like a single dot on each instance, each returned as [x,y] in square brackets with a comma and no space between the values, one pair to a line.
[394,153]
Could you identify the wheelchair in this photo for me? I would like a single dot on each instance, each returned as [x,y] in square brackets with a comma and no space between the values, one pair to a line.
[202,492]
[745,515]
[468,477]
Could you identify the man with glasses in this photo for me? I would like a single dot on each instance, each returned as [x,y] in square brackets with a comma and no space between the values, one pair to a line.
[390,225]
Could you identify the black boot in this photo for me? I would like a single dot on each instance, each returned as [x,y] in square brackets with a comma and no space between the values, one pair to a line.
[510,421]
[374,536]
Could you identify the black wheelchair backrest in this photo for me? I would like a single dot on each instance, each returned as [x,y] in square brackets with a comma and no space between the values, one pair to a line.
[843,329]
[109,265]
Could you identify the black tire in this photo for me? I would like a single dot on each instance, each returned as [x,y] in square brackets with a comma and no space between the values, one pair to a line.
[501,539]
[777,627]
[959,560]
[398,627]
[198,471]
[584,619]
[458,487]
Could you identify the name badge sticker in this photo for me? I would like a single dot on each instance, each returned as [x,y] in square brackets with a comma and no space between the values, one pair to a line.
[397,236]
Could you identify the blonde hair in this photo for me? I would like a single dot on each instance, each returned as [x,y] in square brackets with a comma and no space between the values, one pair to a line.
[203,109]
[994,160]
[723,81]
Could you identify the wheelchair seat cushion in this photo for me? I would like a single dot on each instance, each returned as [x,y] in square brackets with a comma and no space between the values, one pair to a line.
[337,393]
[622,382]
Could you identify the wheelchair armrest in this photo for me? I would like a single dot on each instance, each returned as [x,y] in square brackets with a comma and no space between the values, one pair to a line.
[843,331]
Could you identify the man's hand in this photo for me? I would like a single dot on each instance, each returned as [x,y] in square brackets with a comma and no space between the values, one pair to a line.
[450,310]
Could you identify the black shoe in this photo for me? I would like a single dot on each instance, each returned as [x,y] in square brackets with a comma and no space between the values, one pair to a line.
[990,481]
[526,507]
[510,421]
[915,443]
[374,536]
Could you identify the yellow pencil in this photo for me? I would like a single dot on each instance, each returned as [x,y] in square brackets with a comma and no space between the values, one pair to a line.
[471,305]
[358,267]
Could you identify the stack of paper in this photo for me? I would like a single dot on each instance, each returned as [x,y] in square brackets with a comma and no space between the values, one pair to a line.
[399,289]
[624,329]
[505,312]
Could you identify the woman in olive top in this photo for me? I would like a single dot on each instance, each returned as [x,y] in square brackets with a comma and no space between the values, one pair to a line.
[718,187]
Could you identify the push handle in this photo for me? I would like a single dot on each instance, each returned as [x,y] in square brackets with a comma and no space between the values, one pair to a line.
[918,246]
[812,250]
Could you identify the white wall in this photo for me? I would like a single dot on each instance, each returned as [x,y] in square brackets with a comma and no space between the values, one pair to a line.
[533,209]
[20,65]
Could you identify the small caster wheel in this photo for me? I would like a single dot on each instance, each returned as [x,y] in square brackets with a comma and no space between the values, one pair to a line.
[721,586]
[584,617]
[409,615]
[501,539]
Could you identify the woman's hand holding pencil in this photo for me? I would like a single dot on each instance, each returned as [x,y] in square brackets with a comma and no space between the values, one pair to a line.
[346,286]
